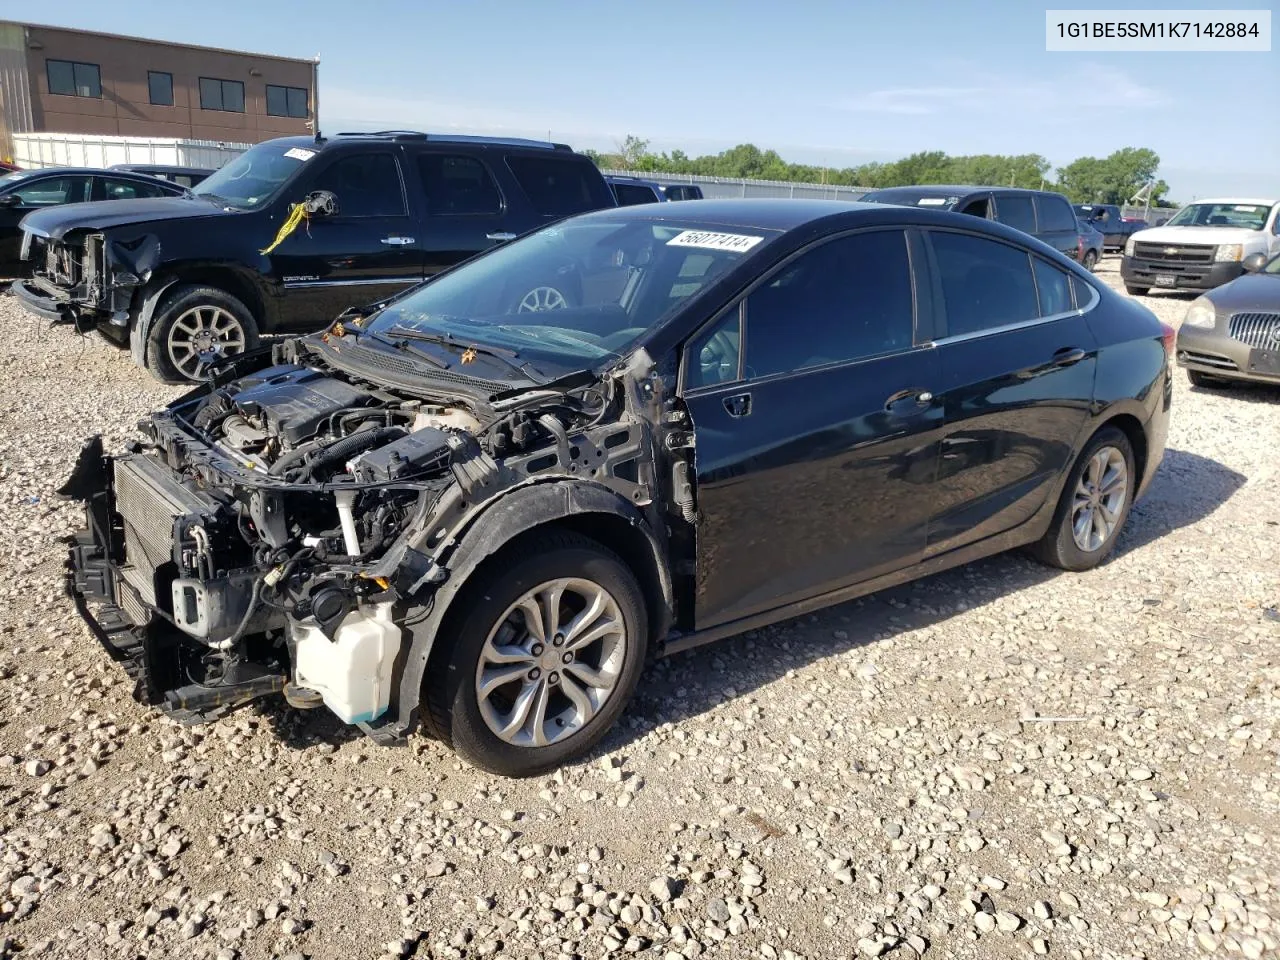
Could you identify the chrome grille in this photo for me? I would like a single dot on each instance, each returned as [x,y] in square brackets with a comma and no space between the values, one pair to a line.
[149,499]
[1256,329]
[1174,252]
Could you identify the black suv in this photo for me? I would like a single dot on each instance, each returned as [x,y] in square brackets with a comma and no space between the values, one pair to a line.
[1046,216]
[291,233]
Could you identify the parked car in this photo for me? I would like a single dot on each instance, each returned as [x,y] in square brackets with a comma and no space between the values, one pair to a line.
[7,167]
[447,511]
[1203,246]
[24,191]
[1233,331]
[1109,220]
[1045,216]
[633,190]
[292,232]
[183,176]
[1090,246]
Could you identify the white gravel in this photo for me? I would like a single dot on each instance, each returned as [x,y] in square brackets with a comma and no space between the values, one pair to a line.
[1002,761]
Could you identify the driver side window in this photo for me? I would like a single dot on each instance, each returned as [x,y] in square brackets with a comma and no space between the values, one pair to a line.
[712,357]
[366,185]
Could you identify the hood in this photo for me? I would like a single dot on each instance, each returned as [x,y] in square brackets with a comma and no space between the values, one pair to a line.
[1212,235]
[57,221]
[1252,292]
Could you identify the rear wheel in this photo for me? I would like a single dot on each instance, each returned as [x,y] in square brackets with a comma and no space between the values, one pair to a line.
[1136,291]
[1090,260]
[1094,505]
[544,658]
[194,327]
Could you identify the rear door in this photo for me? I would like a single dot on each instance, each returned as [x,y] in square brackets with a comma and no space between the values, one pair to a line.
[558,184]
[369,250]
[1016,384]
[815,442]
[465,211]
[1056,224]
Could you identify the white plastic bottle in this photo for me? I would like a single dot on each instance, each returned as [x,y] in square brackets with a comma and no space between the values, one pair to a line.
[352,673]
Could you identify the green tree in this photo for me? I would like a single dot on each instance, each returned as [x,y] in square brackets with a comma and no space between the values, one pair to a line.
[1113,179]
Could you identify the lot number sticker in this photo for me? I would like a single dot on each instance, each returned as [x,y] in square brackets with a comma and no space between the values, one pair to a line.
[298,153]
[708,240]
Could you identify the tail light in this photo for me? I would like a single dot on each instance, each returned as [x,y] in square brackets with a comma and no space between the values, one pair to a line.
[1170,337]
[1080,249]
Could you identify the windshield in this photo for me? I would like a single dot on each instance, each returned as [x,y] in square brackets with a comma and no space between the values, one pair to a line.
[1272,267]
[13,177]
[1248,216]
[573,294]
[253,178]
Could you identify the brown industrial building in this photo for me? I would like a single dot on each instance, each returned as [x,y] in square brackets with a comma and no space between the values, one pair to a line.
[57,80]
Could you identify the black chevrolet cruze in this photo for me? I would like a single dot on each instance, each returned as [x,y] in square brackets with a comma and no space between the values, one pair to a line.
[451,512]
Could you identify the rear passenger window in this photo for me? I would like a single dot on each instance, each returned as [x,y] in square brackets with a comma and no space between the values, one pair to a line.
[458,186]
[848,299]
[366,185]
[1054,288]
[985,283]
[1016,212]
[557,187]
[1054,213]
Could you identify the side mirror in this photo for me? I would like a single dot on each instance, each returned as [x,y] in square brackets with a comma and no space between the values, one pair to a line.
[1254,262]
[10,200]
[320,204]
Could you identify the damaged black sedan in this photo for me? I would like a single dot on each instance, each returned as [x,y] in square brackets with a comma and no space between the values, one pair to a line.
[453,513]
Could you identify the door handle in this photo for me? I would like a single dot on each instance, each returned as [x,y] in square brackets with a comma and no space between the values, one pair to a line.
[1067,356]
[908,400]
[500,237]
[397,241]
[739,405]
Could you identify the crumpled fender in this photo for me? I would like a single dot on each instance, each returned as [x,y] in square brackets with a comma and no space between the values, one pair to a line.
[146,316]
[519,510]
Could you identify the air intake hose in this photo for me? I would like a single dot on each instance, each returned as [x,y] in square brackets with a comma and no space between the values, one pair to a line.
[348,447]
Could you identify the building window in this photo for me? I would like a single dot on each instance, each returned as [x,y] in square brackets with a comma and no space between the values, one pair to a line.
[286,101]
[70,79]
[160,86]
[221,95]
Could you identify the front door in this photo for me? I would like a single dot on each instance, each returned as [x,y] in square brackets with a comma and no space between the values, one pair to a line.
[815,438]
[370,249]
[1017,367]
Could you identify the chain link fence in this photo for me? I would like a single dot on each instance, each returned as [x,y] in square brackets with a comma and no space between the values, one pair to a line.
[728,187]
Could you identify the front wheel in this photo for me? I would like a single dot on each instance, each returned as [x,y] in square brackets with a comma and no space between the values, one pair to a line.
[544,658]
[194,327]
[1094,505]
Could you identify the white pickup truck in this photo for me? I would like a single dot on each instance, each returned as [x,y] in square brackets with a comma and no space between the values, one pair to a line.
[1203,245]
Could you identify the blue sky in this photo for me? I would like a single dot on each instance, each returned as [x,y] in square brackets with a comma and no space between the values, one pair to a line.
[821,82]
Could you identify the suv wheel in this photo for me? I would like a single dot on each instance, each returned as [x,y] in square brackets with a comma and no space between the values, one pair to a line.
[1090,260]
[544,659]
[194,327]
[1094,505]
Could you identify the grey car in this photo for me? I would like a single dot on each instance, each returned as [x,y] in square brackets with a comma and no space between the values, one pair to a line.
[1233,331]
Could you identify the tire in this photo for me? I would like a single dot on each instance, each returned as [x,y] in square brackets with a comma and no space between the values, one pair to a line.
[1059,547]
[1203,380]
[197,317]
[1090,260]
[453,710]
[1136,291]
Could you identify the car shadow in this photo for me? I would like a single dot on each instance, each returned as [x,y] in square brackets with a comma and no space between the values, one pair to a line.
[1246,391]
[1186,489]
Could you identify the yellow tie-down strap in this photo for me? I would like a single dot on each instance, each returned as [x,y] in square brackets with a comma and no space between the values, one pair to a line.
[296,216]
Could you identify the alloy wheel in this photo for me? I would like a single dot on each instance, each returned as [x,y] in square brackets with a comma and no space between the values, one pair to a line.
[201,336]
[1099,499]
[542,298]
[551,661]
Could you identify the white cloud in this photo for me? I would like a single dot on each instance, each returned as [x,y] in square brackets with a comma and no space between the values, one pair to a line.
[1089,88]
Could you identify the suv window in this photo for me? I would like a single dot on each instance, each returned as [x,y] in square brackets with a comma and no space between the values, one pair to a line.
[848,299]
[366,185]
[113,189]
[1054,213]
[557,187]
[1054,288]
[458,186]
[630,194]
[1017,212]
[51,191]
[985,283]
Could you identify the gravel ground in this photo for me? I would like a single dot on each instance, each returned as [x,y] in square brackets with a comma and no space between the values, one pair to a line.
[1000,761]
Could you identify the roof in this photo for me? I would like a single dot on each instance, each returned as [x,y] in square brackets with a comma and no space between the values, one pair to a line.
[412,136]
[163,43]
[762,213]
[952,189]
[40,171]
[1255,201]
